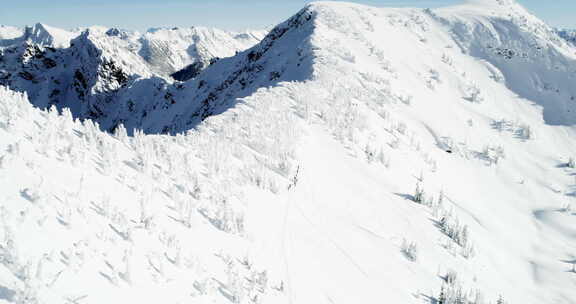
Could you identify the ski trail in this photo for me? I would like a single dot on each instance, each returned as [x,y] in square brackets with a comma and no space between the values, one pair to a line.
[285,238]
[331,241]
[318,264]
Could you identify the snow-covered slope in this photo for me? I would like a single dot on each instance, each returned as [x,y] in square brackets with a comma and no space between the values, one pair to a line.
[568,34]
[163,232]
[355,155]
[84,77]
[9,32]
[45,35]
[110,76]
[171,50]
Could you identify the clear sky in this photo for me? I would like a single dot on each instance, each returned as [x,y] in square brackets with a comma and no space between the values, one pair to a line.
[226,14]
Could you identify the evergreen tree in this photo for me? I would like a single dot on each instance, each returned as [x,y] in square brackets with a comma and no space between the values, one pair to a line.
[419,194]
[442,296]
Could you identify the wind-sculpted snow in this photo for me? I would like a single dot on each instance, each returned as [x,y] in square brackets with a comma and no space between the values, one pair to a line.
[354,155]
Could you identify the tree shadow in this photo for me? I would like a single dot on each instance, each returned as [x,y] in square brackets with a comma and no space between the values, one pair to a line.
[108,278]
[571,263]
[405,196]
[7,294]
[29,195]
[429,299]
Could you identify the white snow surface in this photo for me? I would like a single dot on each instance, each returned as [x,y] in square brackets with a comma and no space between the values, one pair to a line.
[171,49]
[9,32]
[46,35]
[355,155]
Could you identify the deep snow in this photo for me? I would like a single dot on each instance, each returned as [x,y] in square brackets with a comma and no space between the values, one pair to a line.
[337,161]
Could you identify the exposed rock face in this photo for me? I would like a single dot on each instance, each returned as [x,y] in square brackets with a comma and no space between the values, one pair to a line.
[113,76]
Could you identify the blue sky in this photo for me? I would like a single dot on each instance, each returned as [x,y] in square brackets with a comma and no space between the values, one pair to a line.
[226,14]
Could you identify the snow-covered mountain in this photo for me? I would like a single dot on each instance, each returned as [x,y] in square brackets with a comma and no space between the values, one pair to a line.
[568,34]
[185,52]
[354,155]
[111,76]
[9,32]
[45,35]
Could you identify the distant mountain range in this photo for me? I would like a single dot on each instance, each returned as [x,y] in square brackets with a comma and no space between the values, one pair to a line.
[110,75]
[568,34]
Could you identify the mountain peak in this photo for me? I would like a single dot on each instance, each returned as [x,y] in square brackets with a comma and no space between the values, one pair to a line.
[489,7]
[43,34]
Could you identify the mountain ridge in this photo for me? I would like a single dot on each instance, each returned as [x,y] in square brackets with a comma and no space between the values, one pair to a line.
[355,154]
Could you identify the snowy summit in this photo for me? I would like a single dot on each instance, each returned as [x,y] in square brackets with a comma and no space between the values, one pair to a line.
[351,154]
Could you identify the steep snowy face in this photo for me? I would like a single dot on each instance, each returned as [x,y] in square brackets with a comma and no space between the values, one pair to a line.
[465,89]
[86,77]
[185,52]
[500,32]
[537,64]
[447,102]
[44,35]
[9,32]
[283,55]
